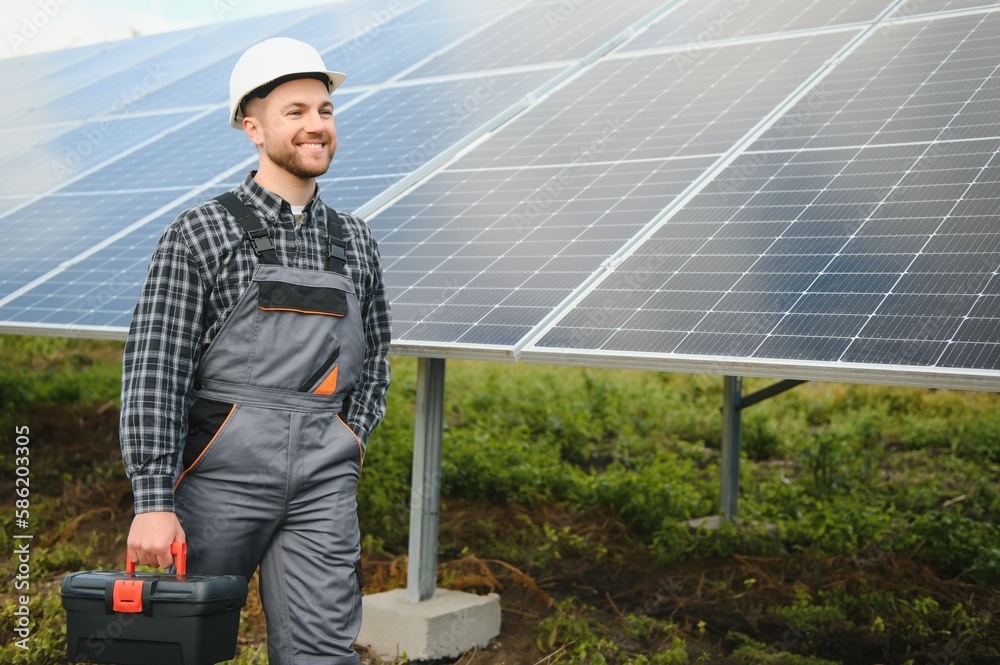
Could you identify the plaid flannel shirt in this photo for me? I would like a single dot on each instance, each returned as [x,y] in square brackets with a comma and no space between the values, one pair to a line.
[201,266]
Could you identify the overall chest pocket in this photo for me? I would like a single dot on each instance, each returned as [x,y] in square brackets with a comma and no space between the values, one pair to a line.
[274,296]
[297,332]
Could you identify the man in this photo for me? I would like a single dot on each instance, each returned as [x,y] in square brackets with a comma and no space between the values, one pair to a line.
[255,369]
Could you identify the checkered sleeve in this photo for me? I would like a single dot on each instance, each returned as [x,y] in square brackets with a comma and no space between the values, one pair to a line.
[367,400]
[161,353]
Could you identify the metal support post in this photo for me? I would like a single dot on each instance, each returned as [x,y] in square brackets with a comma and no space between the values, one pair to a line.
[425,498]
[732,395]
[733,403]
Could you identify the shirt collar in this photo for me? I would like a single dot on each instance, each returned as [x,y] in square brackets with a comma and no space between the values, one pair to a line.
[273,208]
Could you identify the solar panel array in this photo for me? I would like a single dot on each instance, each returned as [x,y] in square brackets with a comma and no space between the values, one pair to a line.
[860,229]
[802,189]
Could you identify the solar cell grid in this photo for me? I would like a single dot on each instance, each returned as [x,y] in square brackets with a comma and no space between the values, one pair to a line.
[920,7]
[13,142]
[352,193]
[167,162]
[695,25]
[91,65]
[50,163]
[527,257]
[369,52]
[540,33]
[58,227]
[378,147]
[8,203]
[18,71]
[132,71]
[359,20]
[199,88]
[904,85]
[99,291]
[865,284]
[655,111]
[588,197]
[143,170]
[30,80]
[397,129]
[390,42]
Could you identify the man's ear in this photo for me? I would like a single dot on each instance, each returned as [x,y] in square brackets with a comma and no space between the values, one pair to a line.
[252,128]
[251,124]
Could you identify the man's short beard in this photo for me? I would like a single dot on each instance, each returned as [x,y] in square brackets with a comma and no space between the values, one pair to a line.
[291,161]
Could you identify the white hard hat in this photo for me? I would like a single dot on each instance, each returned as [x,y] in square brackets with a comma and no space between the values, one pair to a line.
[274,61]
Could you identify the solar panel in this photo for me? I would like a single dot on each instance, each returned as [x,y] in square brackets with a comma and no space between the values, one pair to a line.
[371,45]
[796,189]
[393,131]
[928,93]
[90,66]
[861,230]
[64,225]
[385,136]
[921,7]
[15,141]
[168,163]
[393,43]
[207,82]
[17,71]
[380,138]
[126,77]
[541,204]
[98,292]
[695,25]
[540,32]
[466,264]
[10,202]
[49,163]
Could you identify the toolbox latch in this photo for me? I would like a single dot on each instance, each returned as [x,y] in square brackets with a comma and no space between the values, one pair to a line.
[127,596]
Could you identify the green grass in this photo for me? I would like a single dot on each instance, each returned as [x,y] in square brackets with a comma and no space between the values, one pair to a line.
[54,369]
[860,464]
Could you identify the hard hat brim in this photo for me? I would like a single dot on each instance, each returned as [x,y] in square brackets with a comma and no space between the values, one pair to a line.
[334,80]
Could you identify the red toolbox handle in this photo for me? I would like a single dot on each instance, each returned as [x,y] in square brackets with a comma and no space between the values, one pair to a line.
[177,549]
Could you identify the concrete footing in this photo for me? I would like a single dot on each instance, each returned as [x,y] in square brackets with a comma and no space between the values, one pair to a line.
[715,522]
[444,626]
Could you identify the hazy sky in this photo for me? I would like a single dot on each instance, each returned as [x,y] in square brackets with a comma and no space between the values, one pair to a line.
[33,26]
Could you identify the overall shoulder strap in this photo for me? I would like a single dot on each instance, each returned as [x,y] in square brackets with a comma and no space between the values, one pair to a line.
[257,235]
[337,260]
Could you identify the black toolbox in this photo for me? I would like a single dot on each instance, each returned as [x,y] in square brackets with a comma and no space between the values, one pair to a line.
[152,618]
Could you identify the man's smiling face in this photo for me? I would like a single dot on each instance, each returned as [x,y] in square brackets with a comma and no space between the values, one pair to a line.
[294,127]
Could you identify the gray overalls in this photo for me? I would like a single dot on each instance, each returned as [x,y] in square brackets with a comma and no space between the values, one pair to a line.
[270,468]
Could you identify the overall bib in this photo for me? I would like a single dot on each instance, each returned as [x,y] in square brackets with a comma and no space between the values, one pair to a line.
[270,468]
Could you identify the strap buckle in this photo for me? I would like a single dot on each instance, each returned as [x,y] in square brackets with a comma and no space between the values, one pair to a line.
[260,241]
[338,250]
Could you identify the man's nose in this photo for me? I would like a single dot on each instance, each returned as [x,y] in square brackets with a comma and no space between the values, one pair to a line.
[315,123]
